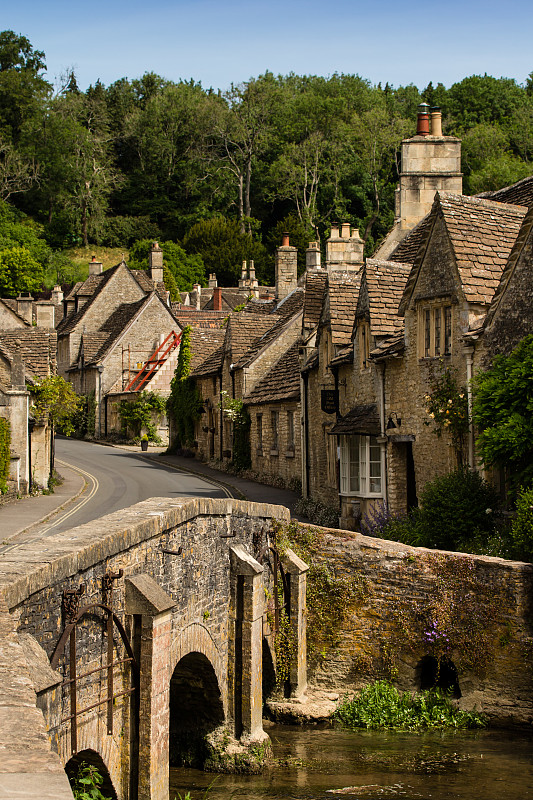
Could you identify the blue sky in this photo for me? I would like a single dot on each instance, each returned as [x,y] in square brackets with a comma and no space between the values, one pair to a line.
[217,43]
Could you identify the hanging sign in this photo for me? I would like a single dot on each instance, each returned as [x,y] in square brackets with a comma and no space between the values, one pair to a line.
[329,401]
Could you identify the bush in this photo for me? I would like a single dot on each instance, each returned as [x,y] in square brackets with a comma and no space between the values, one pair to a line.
[381,705]
[522,526]
[316,512]
[5,453]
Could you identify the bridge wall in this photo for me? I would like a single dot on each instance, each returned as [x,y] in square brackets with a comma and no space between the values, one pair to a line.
[179,560]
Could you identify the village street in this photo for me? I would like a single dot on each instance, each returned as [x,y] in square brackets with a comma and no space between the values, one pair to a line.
[106,479]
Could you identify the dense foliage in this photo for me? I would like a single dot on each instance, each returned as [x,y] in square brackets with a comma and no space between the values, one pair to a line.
[458,511]
[54,397]
[5,453]
[148,157]
[503,412]
[184,404]
[381,705]
[87,783]
[139,416]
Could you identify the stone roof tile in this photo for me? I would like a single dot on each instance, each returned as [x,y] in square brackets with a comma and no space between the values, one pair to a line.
[37,347]
[282,382]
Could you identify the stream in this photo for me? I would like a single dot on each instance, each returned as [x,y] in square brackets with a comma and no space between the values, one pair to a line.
[325,763]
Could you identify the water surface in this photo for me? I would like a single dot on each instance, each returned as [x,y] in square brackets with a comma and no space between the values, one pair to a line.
[324,764]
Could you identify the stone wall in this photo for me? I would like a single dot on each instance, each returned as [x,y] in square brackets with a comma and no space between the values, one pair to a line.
[286,459]
[398,587]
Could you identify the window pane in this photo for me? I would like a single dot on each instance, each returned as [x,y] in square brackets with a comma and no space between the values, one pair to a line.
[437,313]
[374,466]
[427,333]
[447,330]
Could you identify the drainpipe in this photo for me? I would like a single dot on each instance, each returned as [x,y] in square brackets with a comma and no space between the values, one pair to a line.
[100,369]
[382,435]
[305,436]
[335,372]
[468,350]
[221,420]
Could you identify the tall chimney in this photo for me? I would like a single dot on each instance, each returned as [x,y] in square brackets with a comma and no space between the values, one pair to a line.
[242,279]
[253,279]
[422,123]
[217,298]
[25,308]
[286,268]
[436,121]
[45,314]
[197,293]
[95,267]
[345,230]
[155,262]
[212,280]
[57,295]
[312,256]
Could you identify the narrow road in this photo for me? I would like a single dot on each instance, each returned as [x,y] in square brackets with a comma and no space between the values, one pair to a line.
[117,479]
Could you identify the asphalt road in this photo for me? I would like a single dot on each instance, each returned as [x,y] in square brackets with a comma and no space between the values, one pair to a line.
[119,478]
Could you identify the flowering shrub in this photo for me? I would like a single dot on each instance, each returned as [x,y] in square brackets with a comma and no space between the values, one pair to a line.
[447,407]
[236,412]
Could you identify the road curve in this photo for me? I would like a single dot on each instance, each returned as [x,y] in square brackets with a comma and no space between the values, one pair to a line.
[119,478]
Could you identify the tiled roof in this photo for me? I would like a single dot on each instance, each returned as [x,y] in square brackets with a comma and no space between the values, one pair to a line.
[231,298]
[482,234]
[291,304]
[204,342]
[282,382]
[389,346]
[264,339]
[385,281]
[212,364]
[315,286]
[244,330]
[362,419]
[12,305]
[37,346]
[409,246]
[68,323]
[256,306]
[342,305]
[73,292]
[147,284]
[204,319]
[114,325]
[344,356]
[519,194]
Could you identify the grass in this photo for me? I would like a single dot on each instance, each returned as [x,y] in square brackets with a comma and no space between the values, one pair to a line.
[109,256]
[381,705]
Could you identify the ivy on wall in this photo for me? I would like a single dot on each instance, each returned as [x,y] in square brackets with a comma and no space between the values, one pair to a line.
[235,411]
[5,454]
[139,415]
[184,404]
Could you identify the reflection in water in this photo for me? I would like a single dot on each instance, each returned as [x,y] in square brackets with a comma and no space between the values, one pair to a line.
[323,764]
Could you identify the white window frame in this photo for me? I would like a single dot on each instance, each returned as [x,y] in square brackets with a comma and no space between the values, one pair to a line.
[356,465]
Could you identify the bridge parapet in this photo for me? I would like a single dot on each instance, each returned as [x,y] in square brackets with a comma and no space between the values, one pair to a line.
[162,571]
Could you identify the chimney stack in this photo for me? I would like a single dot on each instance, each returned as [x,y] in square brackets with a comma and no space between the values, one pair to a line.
[155,262]
[197,294]
[25,308]
[213,281]
[45,314]
[95,267]
[217,299]
[422,124]
[286,268]
[346,230]
[344,253]
[312,256]
[57,295]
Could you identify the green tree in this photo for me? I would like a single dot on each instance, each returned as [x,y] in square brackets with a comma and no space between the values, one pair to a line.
[186,270]
[22,87]
[223,247]
[503,412]
[20,273]
[55,398]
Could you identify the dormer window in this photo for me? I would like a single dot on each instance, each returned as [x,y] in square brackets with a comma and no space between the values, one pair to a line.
[435,330]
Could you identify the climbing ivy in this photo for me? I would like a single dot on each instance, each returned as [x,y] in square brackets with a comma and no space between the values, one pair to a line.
[5,455]
[139,415]
[184,404]
[235,411]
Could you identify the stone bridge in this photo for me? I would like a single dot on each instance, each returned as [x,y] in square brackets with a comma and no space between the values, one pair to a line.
[141,632]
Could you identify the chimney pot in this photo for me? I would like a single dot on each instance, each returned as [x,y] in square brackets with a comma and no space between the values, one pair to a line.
[422,125]
[345,230]
[285,240]
[436,122]
[95,267]
[334,230]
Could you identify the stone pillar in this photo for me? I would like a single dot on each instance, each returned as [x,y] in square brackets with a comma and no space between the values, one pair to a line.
[297,571]
[147,600]
[248,605]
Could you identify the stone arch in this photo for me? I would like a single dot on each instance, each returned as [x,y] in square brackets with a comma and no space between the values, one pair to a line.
[196,638]
[94,759]
[438,674]
[195,709]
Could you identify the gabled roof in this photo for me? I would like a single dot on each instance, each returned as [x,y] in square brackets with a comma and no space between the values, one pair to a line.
[342,302]
[69,322]
[202,319]
[115,324]
[204,342]
[481,234]
[37,347]
[282,382]
[389,347]
[11,305]
[243,331]
[315,287]
[384,283]
[519,194]
[406,251]
[212,364]
[362,419]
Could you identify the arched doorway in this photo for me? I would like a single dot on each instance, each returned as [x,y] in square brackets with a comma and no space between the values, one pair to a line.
[92,759]
[196,709]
